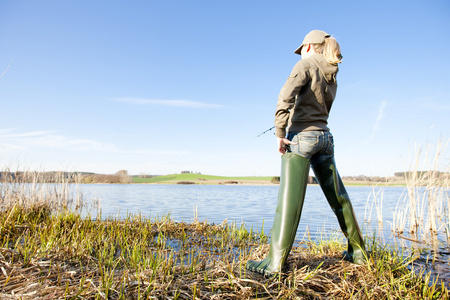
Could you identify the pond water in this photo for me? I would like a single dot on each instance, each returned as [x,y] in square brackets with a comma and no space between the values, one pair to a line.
[254,206]
[251,205]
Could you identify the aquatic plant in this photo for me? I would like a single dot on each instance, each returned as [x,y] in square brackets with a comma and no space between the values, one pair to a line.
[33,191]
[423,212]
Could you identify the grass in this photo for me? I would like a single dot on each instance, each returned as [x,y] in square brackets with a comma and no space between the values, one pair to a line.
[199,178]
[65,256]
[424,211]
[48,251]
[211,179]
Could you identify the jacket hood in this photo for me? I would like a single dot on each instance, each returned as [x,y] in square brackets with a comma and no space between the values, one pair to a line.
[328,70]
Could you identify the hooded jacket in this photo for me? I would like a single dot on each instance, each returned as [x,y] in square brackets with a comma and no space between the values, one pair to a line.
[305,100]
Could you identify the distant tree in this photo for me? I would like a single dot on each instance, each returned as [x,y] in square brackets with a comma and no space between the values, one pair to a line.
[123,176]
[88,179]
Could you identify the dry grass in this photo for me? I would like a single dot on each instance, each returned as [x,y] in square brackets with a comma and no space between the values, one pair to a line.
[425,210]
[31,192]
[67,257]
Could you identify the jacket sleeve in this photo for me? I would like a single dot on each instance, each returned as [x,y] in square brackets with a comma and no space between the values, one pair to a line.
[286,99]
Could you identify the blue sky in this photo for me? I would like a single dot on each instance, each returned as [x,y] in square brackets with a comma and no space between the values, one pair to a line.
[157,87]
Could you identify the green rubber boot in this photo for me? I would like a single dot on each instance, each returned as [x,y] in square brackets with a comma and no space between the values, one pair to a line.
[291,193]
[334,190]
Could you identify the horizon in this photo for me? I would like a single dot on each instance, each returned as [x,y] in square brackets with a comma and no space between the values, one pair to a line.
[395,174]
[159,87]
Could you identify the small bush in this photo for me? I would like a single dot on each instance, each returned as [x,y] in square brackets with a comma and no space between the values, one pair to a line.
[275,179]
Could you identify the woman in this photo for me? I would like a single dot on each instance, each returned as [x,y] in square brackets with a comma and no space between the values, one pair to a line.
[303,107]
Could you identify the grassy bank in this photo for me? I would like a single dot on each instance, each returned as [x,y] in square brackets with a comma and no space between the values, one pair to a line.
[65,256]
[122,177]
[48,251]
[257,180]
[203,179]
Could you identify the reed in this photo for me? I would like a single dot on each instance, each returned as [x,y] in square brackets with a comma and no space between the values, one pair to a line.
[136,258]
[423,212]
[33,192]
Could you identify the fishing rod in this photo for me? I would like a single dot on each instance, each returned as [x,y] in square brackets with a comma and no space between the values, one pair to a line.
[266,131]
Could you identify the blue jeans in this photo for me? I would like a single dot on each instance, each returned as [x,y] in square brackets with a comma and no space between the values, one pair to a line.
[317,146]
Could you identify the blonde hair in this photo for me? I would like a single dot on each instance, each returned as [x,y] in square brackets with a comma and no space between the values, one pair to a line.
[330,50]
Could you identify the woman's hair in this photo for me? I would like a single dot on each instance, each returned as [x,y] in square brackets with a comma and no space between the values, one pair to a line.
[330,50]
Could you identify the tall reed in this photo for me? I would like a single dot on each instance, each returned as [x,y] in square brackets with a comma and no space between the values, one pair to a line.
[36,192]
[423,212]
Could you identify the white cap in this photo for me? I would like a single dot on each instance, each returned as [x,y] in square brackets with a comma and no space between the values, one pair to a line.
[313,37]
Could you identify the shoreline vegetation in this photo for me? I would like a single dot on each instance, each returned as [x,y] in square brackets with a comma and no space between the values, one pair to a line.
[49,251]
[423,172]
[122,177]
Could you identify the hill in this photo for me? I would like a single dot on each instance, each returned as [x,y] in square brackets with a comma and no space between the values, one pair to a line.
[190,178]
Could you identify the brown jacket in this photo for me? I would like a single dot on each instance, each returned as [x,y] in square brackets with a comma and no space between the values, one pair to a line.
[306,98]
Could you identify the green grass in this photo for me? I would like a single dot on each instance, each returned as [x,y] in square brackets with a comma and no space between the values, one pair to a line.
[198,178]
[211,179]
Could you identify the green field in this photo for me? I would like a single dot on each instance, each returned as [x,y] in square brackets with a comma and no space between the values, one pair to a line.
[200,178]
[257,180]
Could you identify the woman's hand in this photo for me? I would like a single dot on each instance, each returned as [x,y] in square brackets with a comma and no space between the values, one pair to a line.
[282,142]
